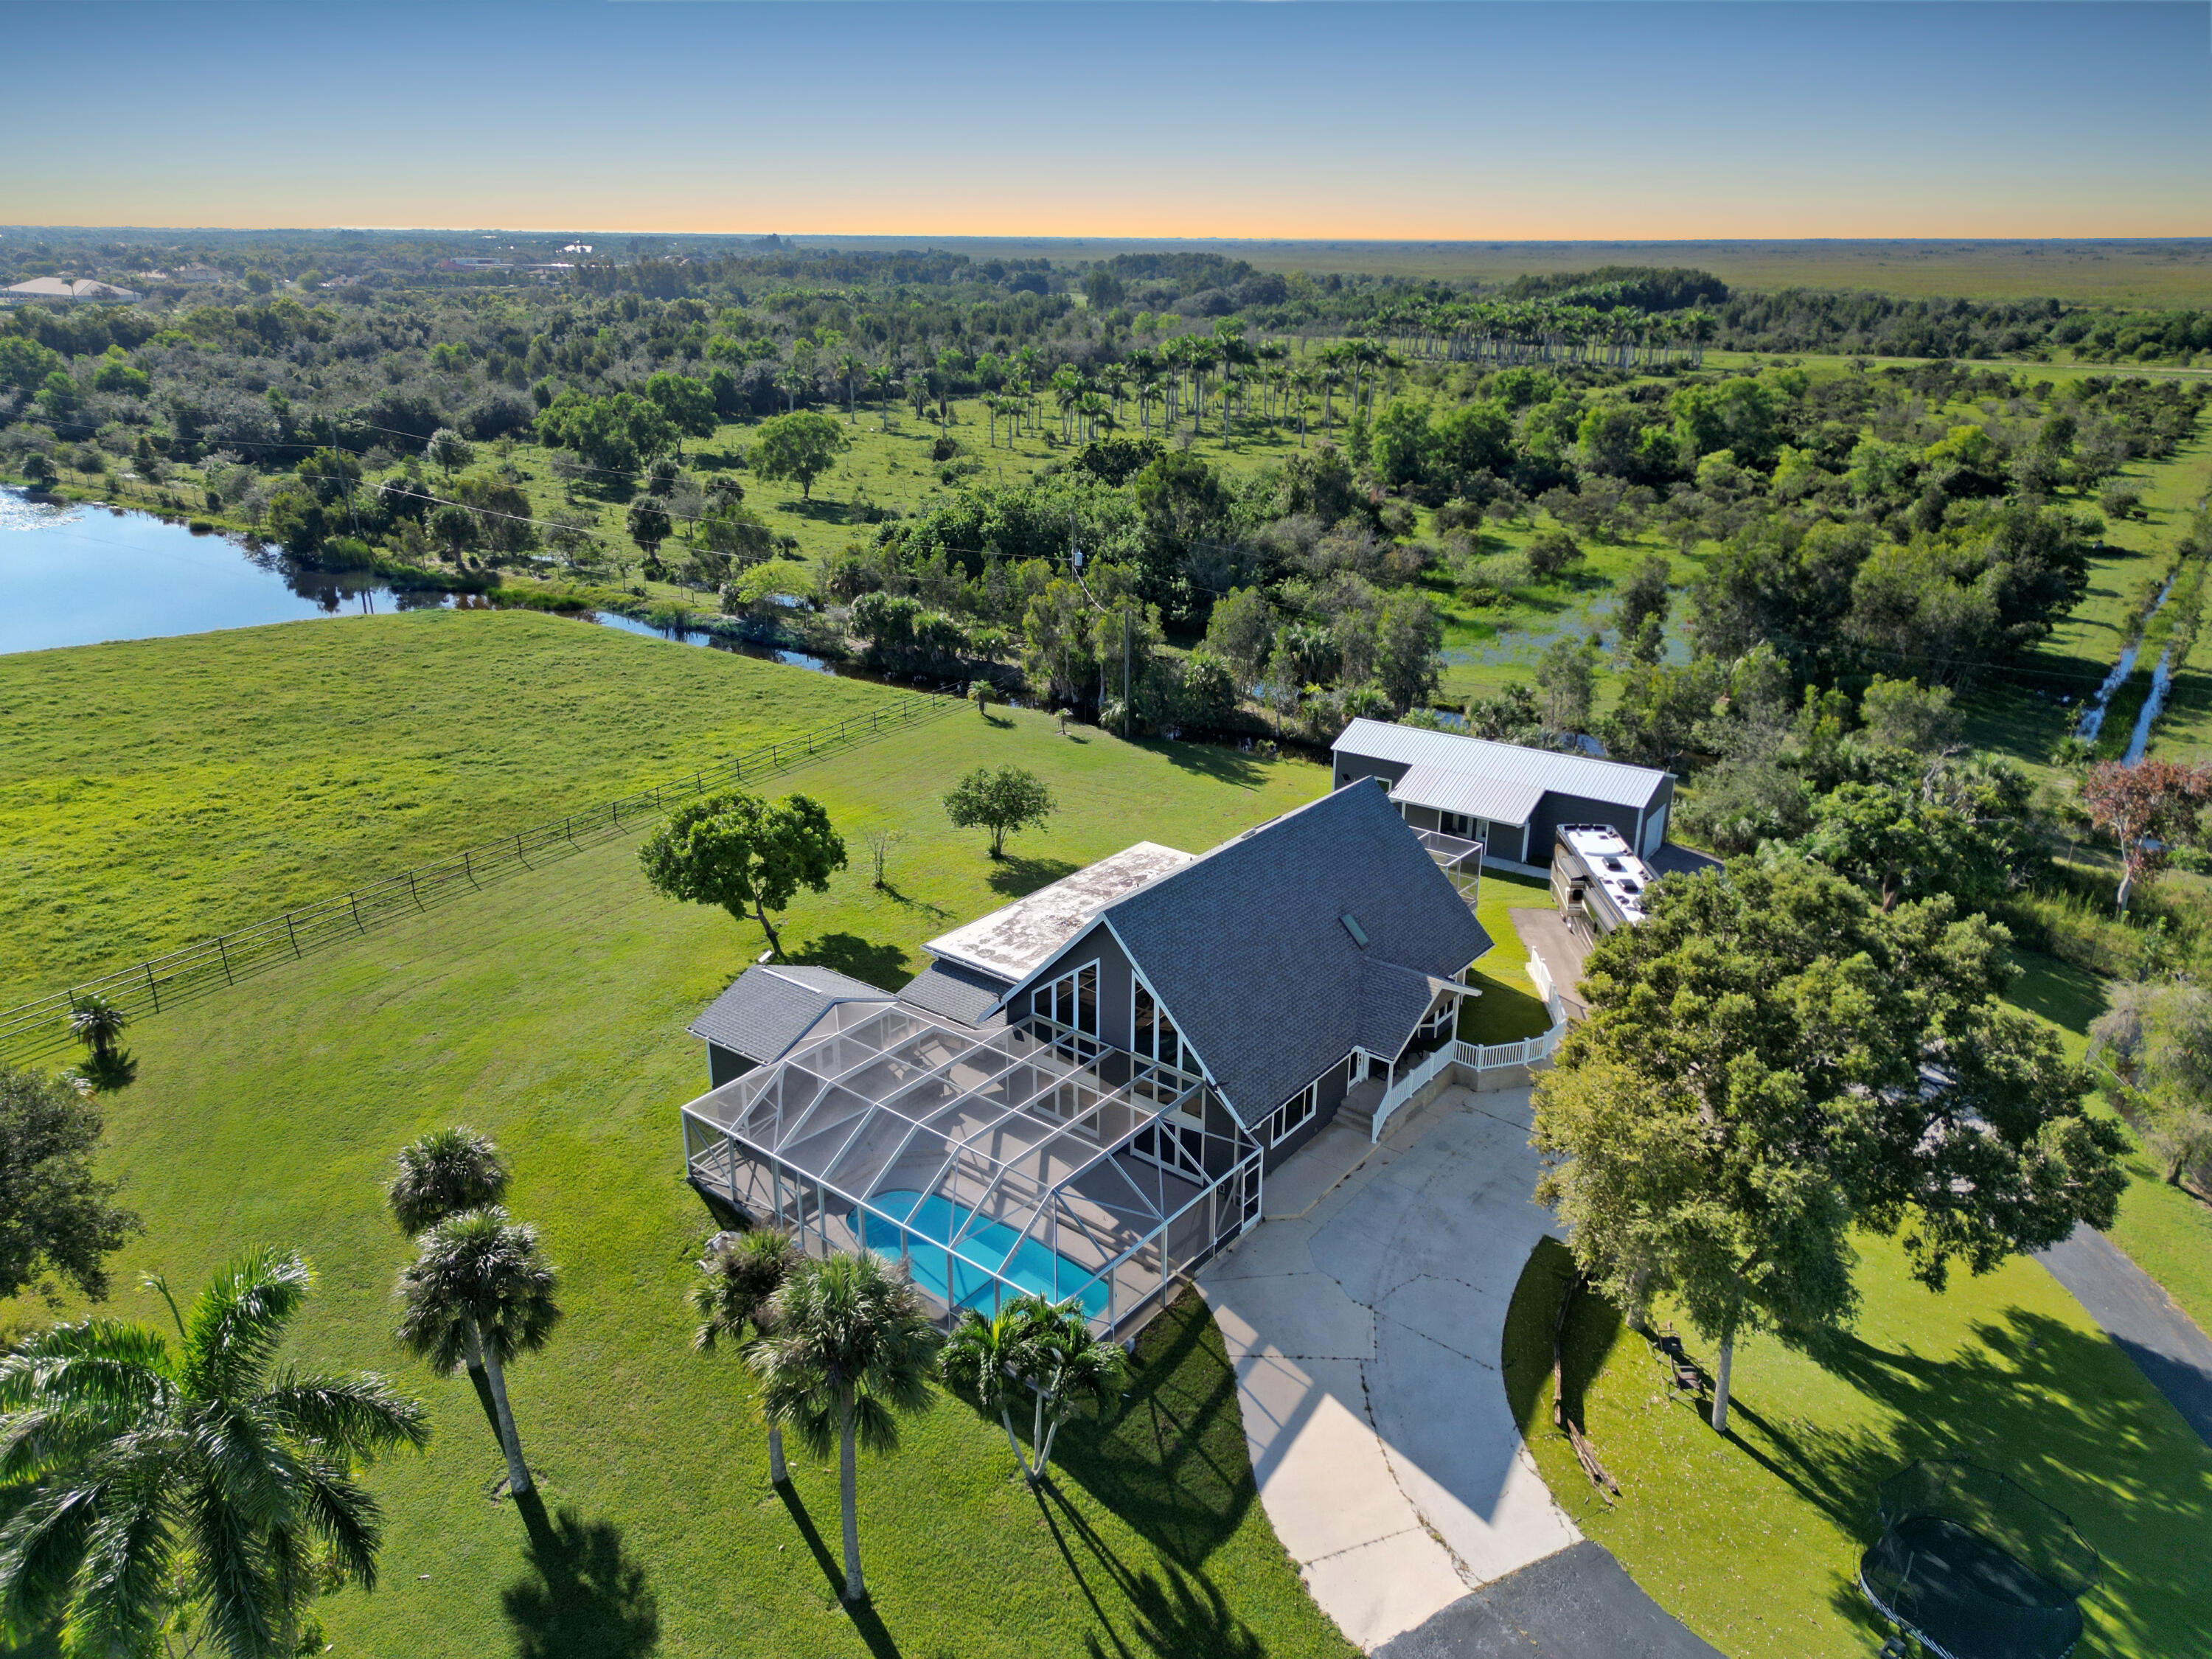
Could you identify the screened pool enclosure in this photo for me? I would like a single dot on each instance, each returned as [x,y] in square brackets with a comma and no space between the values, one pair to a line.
[996,1163]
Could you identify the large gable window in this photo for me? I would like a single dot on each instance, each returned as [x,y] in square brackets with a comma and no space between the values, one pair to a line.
[1155,1035]
[1071,1001]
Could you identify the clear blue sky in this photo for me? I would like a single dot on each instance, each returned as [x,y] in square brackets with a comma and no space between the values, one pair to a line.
[1425,120]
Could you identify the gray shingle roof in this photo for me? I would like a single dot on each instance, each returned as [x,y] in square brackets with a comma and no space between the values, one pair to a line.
[1246,946]
[956,992]
[1614,782]
[768,1008]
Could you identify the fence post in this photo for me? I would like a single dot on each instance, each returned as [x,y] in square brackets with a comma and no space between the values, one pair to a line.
[153,988]
[225,951]
[468,866]
[289,934]
[411,893]
[354,900]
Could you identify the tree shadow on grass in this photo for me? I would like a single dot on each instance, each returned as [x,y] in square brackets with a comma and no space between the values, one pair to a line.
[2064,995]
[1015,875]
[1171,1462]
[584,1596]
[863,1614]
[882,965]
[2060,1410]
[1217,761]
[1175,1612]
[891,890]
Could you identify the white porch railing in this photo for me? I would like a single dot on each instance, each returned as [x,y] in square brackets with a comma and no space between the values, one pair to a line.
[1481,1056]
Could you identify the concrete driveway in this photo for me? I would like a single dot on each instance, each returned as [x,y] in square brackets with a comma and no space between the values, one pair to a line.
[1364,1319]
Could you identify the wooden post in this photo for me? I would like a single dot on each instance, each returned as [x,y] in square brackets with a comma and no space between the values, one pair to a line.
[220,947]
[354,900]
[153,988]
[289,934]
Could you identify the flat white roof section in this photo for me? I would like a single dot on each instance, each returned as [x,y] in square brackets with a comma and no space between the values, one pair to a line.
[1010,942]
[1465,792]
[1612,864]
[1614,782]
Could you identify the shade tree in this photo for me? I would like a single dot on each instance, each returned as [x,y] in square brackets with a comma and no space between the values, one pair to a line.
[1003,799]
[743,854]
[1770,1062]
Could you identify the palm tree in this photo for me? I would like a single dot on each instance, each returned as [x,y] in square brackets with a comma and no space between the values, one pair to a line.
[1044,1350]
[97,1023]
[881,379]
[849,1348]
[446,1173]
[443,1174]
[741,1278]
[165,1488]
[852,367]
[481,1292]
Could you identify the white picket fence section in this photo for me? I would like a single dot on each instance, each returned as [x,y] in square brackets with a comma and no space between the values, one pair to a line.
[1484,1056]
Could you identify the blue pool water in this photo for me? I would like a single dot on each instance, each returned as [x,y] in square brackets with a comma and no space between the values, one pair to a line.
[962,1278]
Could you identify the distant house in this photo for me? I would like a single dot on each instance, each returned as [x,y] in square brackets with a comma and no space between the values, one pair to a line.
[1083,1093]
[1510,799]
[196,273]
[62,290]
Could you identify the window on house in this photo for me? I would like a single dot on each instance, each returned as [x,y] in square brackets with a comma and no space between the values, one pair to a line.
[1153,1034]
[1176,1141]
[1456,823]
[1071,1001]
[1293,1114]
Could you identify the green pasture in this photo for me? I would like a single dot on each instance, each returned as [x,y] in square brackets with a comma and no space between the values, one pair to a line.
[550,1011]
[1754,1539]
[156,791]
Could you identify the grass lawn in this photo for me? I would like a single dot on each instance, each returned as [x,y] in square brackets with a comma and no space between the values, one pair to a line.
[550,1011]
[1508,1008]
[154,791]
[2167,1231]
[1753,1540]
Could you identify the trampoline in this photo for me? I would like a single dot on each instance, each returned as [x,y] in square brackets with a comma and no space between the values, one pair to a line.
[1973,1566]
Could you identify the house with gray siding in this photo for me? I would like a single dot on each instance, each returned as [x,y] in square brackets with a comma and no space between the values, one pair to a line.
[1082,1094]
[1512,800]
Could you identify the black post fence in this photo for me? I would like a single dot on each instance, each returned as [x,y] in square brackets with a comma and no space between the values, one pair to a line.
[37,1028]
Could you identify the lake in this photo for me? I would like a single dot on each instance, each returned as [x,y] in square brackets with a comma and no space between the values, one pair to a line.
[73,574]
[76,574]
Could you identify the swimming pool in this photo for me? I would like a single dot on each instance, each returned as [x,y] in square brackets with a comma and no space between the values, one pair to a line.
[962,1278]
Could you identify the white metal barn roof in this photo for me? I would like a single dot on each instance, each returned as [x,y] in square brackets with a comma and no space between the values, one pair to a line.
[1466,793]
[1614,782]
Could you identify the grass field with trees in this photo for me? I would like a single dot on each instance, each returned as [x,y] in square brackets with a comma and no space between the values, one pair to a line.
[1754,1538]
[549,1012]
[1850,563]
